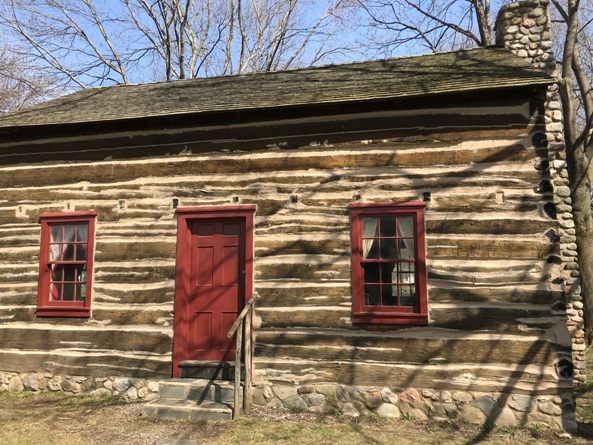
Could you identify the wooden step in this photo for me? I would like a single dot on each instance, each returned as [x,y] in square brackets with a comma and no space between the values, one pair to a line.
[197,390]
[195,399]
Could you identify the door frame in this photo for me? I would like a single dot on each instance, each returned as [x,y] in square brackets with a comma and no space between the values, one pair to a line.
[185,216]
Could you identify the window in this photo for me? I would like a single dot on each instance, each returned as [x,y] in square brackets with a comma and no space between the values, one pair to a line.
[66,264]
[388,263]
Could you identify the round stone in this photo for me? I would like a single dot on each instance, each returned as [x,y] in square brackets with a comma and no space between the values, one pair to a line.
[389,411]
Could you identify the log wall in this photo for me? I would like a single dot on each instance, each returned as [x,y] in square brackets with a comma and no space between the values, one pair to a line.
[493,262]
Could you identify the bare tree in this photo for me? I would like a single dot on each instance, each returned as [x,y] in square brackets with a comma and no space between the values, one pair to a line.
[90,42]
[20,84]
[576,95]
[434,25]
[420,25]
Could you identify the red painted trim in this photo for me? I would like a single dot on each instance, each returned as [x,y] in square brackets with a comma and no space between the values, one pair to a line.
[61,216]
[217,210]
[184,217]
[45,307]
[387,206]
[383,314]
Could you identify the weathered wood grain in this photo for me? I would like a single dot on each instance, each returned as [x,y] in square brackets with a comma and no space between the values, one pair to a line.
[41,338]
[134,249]
[86,364]
[342,345]
[156,293]
[481,378]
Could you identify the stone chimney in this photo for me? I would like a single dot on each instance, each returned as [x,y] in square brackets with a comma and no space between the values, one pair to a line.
[525,29]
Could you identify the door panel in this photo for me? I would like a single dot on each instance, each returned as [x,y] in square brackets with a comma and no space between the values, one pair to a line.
[214,301]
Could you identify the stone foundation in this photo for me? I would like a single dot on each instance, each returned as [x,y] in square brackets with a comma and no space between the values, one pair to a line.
[503,410]
[128,388]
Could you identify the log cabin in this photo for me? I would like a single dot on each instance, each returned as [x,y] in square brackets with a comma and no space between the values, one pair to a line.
[405,223]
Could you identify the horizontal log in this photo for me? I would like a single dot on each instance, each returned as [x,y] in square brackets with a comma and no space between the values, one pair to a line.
[281,246]
[441,246]
[290,160]
[134,249]
[85,364]
[19,274]
[517,379]
[112,273]
[44,339]
[497,318]
[490,318]
[495,226]
[135,295]
[511,294]
[26,296]
[21,254]
[317,317]
[359,346]
[139,315]
[303,271]
[489,277]
[303,295]
[490,248]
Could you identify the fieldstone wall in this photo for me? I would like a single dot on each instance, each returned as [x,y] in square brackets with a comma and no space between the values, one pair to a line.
[504,410]
[128,388]
[525,28]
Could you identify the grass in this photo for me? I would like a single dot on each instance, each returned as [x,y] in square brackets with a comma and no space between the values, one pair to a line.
[55,419]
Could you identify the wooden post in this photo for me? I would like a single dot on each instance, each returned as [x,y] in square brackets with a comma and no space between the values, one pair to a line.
[247,387]
[237,407]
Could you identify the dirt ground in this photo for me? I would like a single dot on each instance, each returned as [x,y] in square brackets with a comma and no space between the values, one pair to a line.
[54,419]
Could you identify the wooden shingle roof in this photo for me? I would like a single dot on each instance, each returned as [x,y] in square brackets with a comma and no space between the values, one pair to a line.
[470,70]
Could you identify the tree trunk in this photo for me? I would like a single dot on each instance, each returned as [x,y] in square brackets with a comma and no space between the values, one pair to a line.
[580,185]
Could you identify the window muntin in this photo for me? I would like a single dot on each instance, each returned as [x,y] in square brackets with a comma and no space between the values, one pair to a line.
[65,267]
[388,263]
[68,261]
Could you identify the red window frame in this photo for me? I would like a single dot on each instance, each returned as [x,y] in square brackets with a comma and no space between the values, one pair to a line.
[380,313]
[58,276]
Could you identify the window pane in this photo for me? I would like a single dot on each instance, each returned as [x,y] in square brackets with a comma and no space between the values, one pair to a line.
[56,234]
[405,229]
[408,295]
[370,250]
[389,294]
[82,232]
[369,227]
[388,251]
[68,291]
[67,252]
[406,273]
[387,226]
[81,252]
[55,292]
[387,272]
[406,249]
[372,295]
[371,272]
[81,292]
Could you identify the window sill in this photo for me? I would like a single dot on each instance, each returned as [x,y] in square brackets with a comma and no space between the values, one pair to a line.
[72,312]
[391,318]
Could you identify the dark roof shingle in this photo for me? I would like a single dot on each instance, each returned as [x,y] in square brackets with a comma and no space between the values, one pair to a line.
[432,74]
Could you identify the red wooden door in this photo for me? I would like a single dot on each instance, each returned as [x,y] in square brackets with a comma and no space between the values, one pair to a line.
[216,277]
[213,279]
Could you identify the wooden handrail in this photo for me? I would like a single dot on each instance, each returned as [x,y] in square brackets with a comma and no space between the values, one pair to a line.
[242,314]
[244,322]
